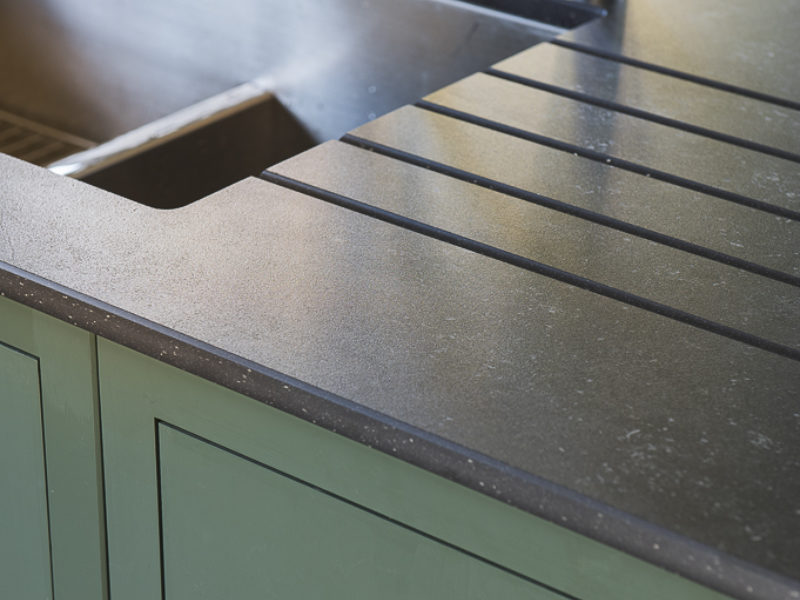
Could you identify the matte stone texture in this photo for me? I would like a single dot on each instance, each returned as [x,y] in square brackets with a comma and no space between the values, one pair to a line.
[705,220]
[654,417]
[691,283]
[619,423]
[687,155]
[749,44]
[686,101]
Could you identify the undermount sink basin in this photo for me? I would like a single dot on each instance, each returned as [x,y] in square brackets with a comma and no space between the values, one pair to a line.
[79,73]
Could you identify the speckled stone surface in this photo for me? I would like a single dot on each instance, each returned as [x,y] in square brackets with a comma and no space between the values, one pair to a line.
[698,285]
[684,214]
[681,153]
[744,43]
[673,443]
[714,109]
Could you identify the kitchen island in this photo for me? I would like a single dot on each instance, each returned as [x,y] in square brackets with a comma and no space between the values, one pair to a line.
[536,335]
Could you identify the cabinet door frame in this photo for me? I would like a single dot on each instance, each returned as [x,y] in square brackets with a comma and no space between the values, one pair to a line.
[140,394]
[67,358]
[235,527]
[26,566]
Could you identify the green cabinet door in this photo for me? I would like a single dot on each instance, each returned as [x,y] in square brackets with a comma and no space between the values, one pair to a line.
[24,531]
[52,530]
[235,528]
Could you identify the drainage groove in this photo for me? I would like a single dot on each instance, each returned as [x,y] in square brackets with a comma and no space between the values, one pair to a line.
[528,264]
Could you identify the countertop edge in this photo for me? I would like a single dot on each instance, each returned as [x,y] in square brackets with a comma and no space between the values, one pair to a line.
[478,472]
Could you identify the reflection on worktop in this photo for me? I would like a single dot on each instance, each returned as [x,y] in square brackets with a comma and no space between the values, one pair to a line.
[744,46]
[563,290]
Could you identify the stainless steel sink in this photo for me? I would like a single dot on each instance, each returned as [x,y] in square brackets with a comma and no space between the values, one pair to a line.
[78,73]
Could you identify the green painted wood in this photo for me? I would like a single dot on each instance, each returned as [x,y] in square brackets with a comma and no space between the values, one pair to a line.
[67,367]
[235,529]
[138,391]
[24,530]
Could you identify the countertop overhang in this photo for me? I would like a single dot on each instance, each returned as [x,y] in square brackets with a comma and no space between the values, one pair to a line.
[555,283]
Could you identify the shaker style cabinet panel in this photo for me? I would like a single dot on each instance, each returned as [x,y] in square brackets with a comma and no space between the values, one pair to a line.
[235,528]
[25,549]
[52,538]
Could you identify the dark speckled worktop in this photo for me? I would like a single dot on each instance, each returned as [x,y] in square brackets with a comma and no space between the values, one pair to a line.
[573,280]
